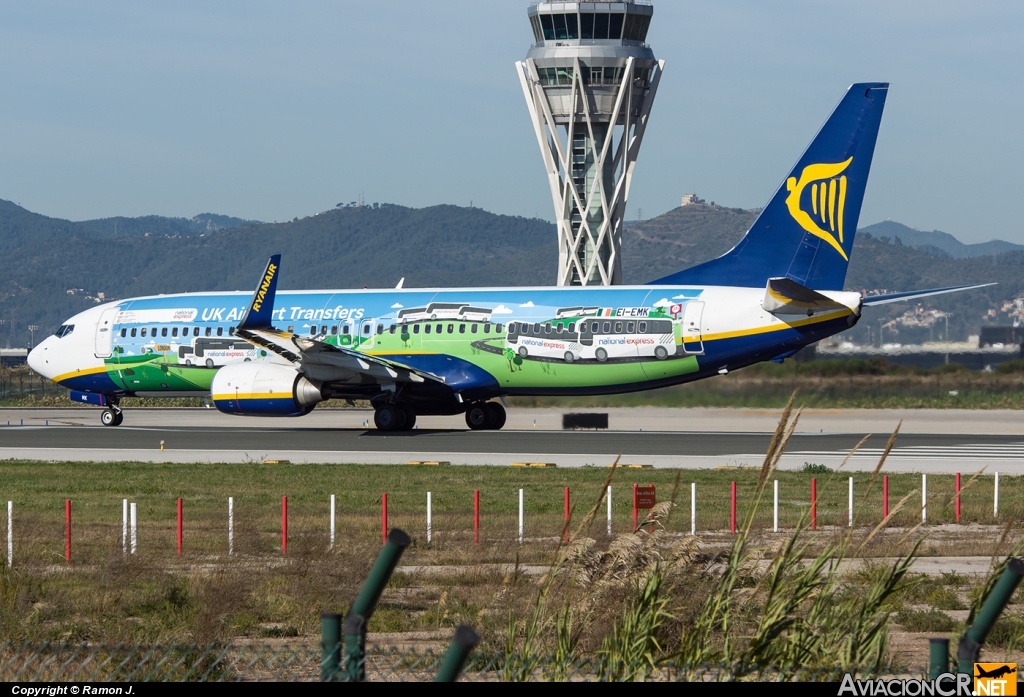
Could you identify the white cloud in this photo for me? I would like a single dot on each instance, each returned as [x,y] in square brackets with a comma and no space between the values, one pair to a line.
[529,303]
[662,303]
[681,297]
[501,310]
[397,306]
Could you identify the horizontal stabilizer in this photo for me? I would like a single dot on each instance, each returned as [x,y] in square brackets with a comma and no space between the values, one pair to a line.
[870,300]
[784,296]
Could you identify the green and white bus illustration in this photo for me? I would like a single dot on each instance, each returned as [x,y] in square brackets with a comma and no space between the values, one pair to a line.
[575,338]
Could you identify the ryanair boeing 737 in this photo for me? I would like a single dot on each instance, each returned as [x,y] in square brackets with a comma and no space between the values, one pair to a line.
[449,351]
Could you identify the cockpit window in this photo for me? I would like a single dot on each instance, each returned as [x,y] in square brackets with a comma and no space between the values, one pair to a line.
[64,330]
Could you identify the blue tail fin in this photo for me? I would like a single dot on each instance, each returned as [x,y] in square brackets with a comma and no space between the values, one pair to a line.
[806,231]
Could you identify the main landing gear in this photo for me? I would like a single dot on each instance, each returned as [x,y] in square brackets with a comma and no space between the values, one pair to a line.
[394,417]
[485,416]
[112,416]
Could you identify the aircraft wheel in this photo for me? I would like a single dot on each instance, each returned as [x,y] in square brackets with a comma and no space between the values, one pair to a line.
[388,418]
[120,418]
[523,352]
[410,419]
[479,417]
[601,355]
[569,357]
[498,414]
[661,353]
[109,417]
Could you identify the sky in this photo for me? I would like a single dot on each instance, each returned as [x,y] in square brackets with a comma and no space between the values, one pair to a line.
[270,110]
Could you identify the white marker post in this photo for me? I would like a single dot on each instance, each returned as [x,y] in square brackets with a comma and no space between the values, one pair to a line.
[334,510]
[430,526]
[851,502]
[231,525]
[776,505]
[609,511]
[520,516]
[693,508]
[995,503]
[924,498]
[10,533]
[124,527]
[134,514]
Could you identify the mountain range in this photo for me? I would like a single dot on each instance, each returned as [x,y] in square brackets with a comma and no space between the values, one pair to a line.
[55,268]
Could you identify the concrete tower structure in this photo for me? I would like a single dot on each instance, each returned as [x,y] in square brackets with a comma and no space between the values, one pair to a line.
[589,80]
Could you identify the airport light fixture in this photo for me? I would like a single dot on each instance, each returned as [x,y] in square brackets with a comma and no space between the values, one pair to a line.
[32,328]
[590,80]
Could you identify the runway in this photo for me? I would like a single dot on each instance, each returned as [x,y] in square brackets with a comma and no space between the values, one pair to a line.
[340,437]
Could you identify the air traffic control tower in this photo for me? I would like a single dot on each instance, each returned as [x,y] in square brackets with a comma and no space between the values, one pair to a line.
[589,80]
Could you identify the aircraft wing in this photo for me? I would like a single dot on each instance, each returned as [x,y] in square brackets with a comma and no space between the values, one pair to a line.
[317,358]
[317,355]
[870,300]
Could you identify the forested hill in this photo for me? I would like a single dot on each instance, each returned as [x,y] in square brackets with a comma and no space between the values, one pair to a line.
[55,268]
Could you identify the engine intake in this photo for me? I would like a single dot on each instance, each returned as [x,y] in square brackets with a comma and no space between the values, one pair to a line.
[263,389]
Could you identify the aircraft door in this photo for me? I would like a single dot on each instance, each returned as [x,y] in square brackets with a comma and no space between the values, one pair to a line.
[105,333]
[692,314]
[366,329]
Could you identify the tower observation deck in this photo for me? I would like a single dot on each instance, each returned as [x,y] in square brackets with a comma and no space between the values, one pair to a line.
[589,80]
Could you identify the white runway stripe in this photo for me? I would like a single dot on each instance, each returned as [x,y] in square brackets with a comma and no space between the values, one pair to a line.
[967,451]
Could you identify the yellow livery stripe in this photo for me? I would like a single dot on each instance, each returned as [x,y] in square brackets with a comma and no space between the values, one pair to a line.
[824,317]
[80,373]
[252,395]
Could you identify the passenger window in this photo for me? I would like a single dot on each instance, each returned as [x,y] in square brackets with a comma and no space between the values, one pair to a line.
[593,327]
[380,328]
[367,328]
[607,327]
[451,328]
[547,328]
[209,331]
[487,327]
[536,328]
[416,328]
[163,331]
[630,327]
[143,331]
[393,327]
[572,326]
[220,331]
[426,328]
[153,333]
[312,330]
[498,328]
[440,328]
[231,331]
[462,329]
[133,332]
[475,327]
[618,327]
[174,331]
[124,332]
[643,327]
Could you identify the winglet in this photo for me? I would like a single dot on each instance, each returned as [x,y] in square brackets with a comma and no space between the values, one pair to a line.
[260,312]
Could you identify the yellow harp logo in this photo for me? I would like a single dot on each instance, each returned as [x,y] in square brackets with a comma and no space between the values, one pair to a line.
[828,201]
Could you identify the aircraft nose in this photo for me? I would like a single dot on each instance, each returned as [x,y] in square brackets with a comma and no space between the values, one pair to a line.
[37,358]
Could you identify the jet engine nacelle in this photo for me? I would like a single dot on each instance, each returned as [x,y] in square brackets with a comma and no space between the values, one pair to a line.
[263,389]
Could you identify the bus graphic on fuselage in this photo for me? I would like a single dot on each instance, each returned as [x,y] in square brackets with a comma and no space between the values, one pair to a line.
[593,337]
[214,352]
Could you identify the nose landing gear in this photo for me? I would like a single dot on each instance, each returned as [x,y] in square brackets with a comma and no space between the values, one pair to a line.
[112,416]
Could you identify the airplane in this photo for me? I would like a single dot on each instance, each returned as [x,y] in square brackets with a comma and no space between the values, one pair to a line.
[446,351]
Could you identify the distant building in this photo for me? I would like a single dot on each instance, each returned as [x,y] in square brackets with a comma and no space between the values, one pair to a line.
[1004,336]
[691,199]
[13,357]
[930,355]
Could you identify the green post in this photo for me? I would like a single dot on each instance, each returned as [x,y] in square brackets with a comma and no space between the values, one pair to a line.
[451,665]
[938,657]
[974,637]
[366,602]
[330,642]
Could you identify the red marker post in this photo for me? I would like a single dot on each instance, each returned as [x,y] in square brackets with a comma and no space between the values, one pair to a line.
[957,496]
[179,527]
[732,516]
[476,516]
[384,518]
[67,530]
[814,503]
[566,514]
[885,496]
[284,525]
[634,508]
